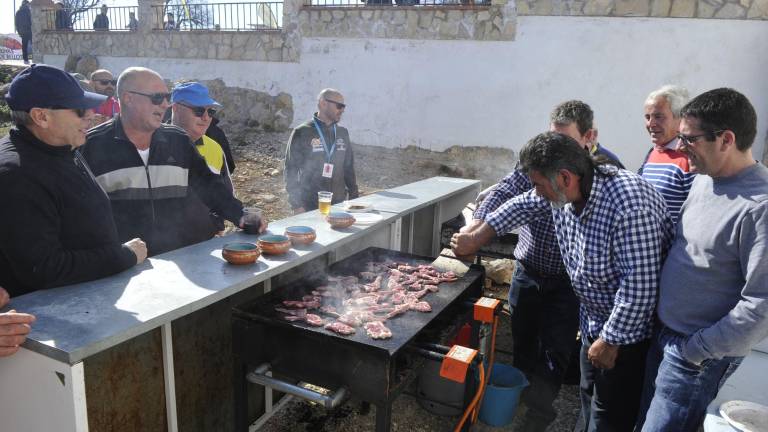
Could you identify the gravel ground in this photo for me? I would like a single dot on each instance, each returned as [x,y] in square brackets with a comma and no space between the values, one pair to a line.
[259,182]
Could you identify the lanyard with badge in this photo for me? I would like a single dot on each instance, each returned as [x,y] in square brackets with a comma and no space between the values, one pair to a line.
[327,166]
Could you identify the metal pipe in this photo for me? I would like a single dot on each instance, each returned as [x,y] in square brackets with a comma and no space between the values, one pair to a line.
[330,401]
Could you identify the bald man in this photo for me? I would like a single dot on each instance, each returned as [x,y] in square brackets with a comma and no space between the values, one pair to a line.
[319,156]
[166,194]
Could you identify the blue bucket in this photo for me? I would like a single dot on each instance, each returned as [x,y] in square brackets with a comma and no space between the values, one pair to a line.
[502,395]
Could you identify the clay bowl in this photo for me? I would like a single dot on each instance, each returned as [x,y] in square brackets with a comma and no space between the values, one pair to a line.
[240,253]
[274,244]
[300,235]
[340,219]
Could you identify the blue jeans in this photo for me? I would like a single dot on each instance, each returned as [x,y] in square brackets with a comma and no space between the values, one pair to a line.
[544,326]
[676,392]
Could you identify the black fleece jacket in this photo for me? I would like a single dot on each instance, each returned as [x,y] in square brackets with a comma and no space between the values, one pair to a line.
[56,223]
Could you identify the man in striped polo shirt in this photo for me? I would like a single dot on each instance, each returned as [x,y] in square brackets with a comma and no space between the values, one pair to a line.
[666,168]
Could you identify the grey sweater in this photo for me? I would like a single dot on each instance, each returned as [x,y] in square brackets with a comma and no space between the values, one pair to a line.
[714,284]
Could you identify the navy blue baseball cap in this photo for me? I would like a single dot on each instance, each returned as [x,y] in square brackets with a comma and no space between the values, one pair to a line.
[43,86]
[193,94]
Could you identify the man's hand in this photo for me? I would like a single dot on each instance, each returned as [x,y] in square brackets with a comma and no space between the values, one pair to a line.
[602,354]
[468,243]
[4,297]
[14,328]
[484,193]
[263,225]
[139,248]
[298,210]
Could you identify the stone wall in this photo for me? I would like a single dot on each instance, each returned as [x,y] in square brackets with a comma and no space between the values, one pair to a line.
[492,22]
[722,9]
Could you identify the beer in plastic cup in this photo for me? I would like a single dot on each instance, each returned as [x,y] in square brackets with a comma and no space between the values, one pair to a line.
[324,202]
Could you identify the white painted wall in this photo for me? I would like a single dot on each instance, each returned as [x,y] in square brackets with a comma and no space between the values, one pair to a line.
[436,94]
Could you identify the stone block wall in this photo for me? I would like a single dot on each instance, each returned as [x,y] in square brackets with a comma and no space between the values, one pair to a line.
[720,9]
[492,22]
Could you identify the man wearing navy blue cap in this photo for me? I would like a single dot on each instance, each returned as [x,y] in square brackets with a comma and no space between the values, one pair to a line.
[160,187]
[56,223]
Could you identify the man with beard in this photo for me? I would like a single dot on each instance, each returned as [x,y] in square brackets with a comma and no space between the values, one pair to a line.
[159,185]
[612,230]
[545,310]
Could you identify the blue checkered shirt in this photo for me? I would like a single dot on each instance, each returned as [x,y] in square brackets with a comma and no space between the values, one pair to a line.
[613,250]
[537,245]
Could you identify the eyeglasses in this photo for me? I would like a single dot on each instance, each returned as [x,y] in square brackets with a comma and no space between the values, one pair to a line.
[339,105]
[106,82]
[155,98]
[691,139]
[200,111]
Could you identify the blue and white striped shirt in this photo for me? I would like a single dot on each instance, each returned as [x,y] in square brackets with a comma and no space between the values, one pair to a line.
[669,171]
[613,250]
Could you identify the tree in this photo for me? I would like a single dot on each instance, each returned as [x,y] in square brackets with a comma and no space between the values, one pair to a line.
[79,7]
[190,14]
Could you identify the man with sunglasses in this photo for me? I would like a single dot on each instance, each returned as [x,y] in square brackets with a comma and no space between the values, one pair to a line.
[319,156]
[193,110]
[56,225]
[713,306]
[104,83]
[160,186]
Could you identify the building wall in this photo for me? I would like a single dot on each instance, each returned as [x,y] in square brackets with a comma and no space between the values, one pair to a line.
[437,94]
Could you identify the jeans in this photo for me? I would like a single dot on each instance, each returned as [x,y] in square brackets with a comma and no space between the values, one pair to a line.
[676,392]
[545,322]
[25,38]
[610,398]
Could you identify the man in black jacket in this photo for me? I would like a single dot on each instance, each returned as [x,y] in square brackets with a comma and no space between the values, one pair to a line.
[56,223]
[319,156]
[160,187]
[23,20]
[101,23]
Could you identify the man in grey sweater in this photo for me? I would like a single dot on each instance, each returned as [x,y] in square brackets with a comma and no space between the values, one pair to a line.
[713,303]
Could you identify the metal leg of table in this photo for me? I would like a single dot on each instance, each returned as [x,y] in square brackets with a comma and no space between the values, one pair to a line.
[383,417]
[395,235]
[170,380]
[436,230]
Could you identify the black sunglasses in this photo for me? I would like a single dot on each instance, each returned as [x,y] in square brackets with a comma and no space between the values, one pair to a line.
[106,82]
[155,98]
[79,111]
[691,139]
[339,105]
[200,111]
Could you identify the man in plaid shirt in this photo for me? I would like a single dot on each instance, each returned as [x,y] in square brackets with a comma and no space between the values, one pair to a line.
[613,230]
[545,317]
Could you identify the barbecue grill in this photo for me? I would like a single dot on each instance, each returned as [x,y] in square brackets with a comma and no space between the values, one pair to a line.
[375,371]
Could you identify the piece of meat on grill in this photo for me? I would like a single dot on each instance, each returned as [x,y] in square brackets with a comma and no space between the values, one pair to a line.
[296,304]
[399,309]
[373,286]
[314,320]
[357,318]
[405,268]
[340,328]
[398,297]
[432,288]
[377,330]
[329,310]
[421,306]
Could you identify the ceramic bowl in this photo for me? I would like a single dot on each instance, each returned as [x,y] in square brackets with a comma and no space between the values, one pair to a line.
[240,253]
[274,244]
[301,235]
[340,219]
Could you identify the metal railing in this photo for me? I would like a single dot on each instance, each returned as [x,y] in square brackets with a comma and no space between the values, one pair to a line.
[379,3]
[117,18]
[250,16]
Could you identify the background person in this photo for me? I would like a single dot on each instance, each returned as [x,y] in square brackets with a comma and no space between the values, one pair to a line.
[101,23]
[23,21]
[319,156]
[103,82]
[56,223]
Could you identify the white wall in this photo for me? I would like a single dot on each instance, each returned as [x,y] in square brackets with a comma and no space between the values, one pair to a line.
[436,94]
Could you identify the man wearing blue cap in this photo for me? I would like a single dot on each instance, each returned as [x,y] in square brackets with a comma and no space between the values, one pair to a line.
[192,110]
[160,187]
[56,223]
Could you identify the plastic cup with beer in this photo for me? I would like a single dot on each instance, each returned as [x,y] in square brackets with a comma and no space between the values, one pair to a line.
[324,202]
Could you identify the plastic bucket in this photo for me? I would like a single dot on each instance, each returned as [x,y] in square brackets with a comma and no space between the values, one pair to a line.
[502,395]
